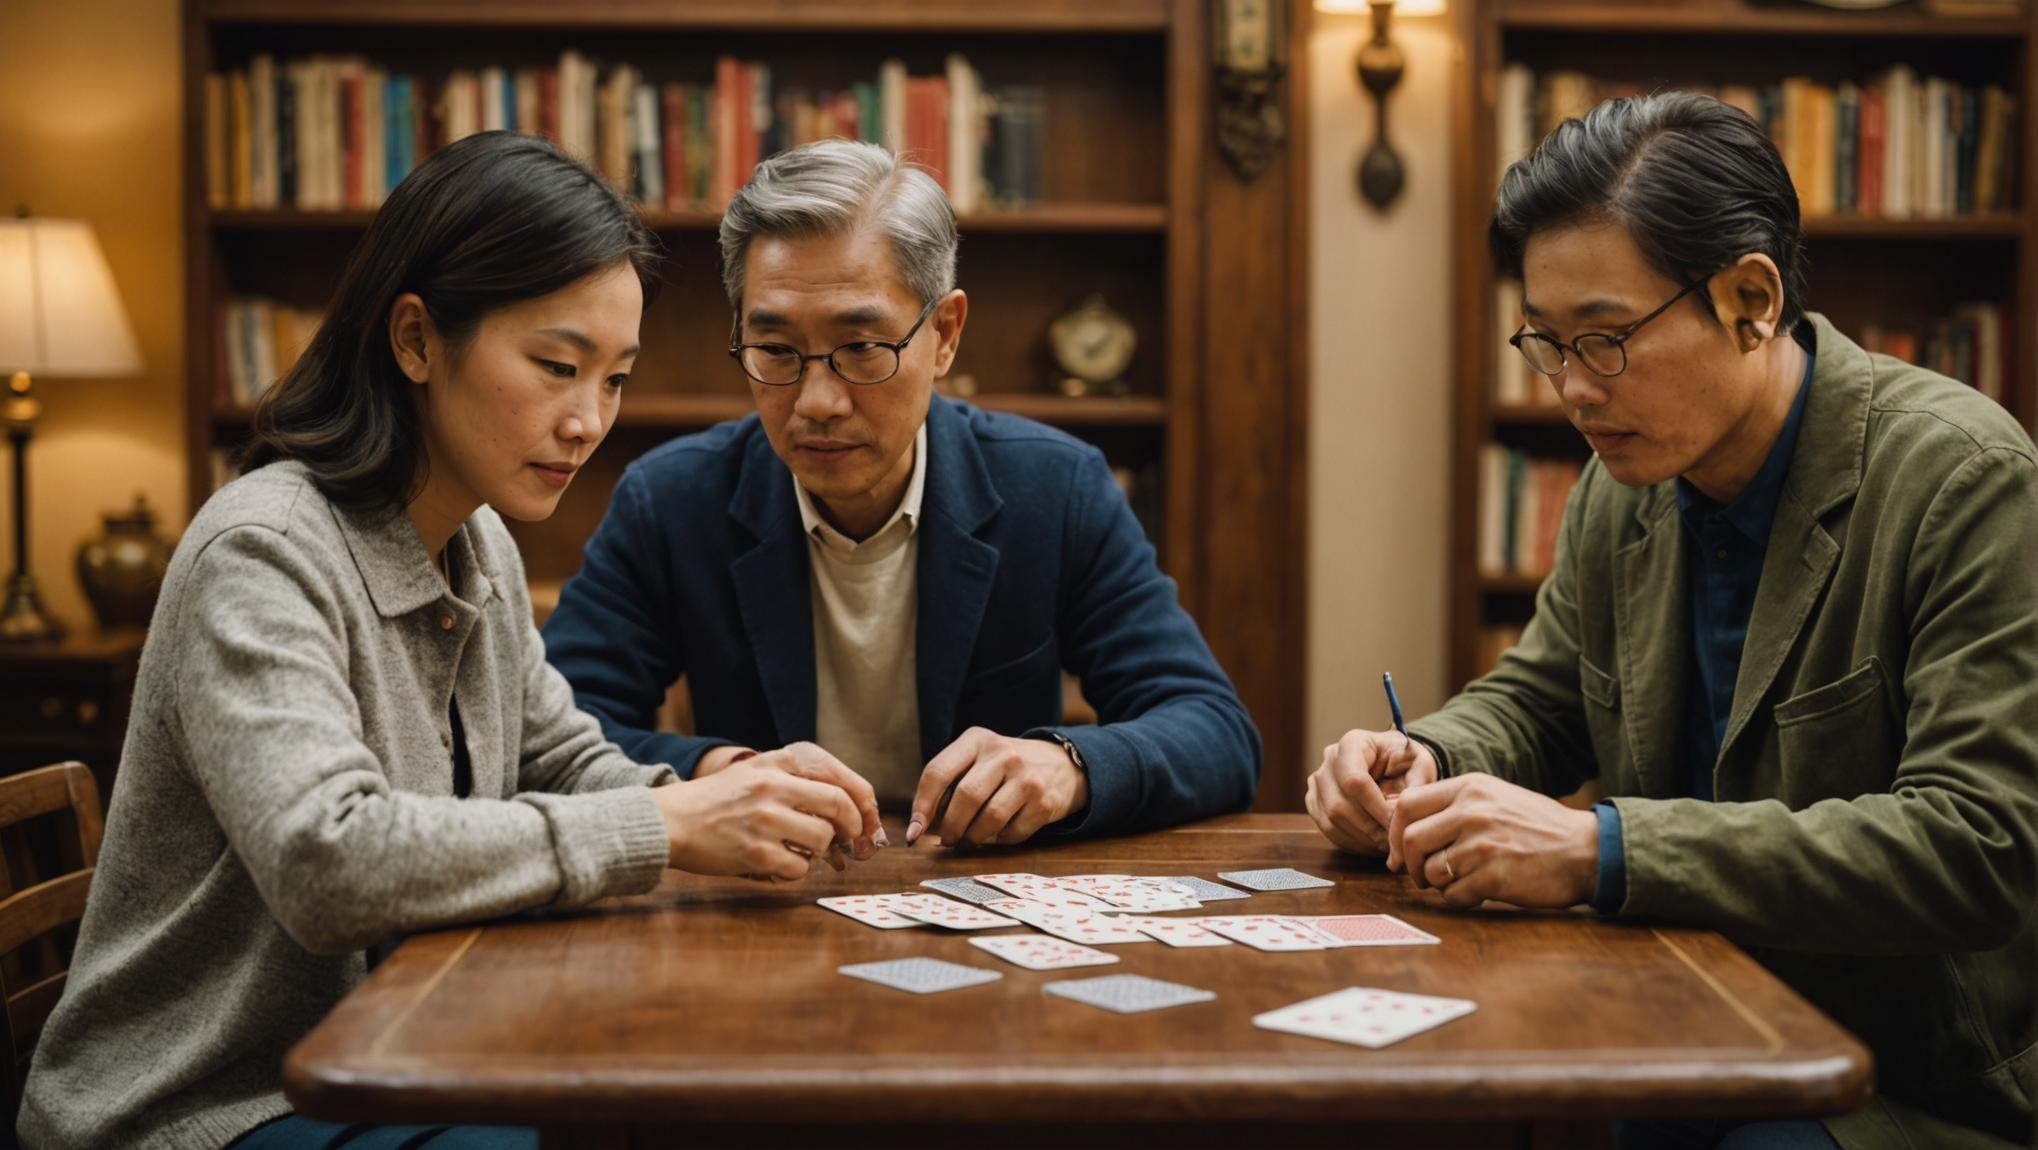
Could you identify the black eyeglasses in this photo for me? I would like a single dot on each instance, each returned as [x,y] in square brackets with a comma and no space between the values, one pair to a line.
[1604,354]
[863,362]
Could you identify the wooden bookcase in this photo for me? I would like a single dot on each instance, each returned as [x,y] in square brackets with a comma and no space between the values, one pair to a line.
[1863,270]
[1137,204]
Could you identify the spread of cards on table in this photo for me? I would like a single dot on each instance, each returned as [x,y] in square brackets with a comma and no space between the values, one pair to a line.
[1068,917]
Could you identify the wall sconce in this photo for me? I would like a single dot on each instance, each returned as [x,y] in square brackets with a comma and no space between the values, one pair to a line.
[1249,50]
[1380,64]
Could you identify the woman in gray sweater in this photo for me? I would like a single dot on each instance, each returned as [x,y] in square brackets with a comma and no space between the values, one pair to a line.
[345,729]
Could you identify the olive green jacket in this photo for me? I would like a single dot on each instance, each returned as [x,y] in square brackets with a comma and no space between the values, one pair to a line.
[1875,836]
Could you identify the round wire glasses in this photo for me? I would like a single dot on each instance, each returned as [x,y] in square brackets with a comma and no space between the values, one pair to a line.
[1604,354]
[863,362]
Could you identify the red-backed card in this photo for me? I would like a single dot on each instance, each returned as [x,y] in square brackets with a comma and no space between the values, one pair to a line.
[1370,930]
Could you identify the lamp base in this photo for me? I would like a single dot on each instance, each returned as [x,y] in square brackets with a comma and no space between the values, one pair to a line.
[24,620]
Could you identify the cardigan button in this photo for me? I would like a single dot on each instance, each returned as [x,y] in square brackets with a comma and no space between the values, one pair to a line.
[445,622]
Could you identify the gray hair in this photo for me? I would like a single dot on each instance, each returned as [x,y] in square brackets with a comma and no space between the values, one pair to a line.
[833,186]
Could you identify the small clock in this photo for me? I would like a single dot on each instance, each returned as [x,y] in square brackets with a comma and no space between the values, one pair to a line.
[1092,346]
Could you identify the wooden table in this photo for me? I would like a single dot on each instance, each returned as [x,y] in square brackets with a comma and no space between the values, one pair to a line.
[710,1013]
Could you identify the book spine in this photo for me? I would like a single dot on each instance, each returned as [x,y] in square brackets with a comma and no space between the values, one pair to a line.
[1846,149]
[262,133]
[241,182]
[673,124]
[1969,102]
[728,122]
[218,186]
[650,143]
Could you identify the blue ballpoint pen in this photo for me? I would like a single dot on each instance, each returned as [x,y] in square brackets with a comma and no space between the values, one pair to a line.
[1394,702]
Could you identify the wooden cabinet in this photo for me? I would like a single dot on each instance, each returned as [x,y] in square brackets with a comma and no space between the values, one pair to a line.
[68,700]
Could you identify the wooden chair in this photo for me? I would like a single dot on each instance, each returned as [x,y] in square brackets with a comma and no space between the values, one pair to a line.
[31,912]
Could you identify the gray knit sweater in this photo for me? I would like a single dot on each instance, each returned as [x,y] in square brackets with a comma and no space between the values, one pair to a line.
[285,801]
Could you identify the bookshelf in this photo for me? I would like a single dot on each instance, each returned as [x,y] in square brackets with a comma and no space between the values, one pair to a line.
[1867,270]
[1132,193]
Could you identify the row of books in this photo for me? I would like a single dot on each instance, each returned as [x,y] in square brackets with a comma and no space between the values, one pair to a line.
[331,133]
[1896,145]
[1521,506]
[258,341]
[1969,344]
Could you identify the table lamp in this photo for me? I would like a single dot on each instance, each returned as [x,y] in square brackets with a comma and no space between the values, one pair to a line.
[60,317]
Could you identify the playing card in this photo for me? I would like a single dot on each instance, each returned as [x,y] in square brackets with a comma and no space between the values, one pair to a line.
[1369,930]
[1268,932]
[1040,952]
[1133,894]
[1364,1017]
[1039,888]
[1128,993]
[1094,883]
[966,889]
[920,975]
[1074,923]
[1173,931]
[870,910]
[1205,890]
[938,911]
[1274,878]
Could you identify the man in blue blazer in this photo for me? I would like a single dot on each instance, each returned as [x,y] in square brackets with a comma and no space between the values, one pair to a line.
[895,576]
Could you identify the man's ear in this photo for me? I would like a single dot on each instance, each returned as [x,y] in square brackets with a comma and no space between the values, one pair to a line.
[1748,298]
[947,322]
[412,337]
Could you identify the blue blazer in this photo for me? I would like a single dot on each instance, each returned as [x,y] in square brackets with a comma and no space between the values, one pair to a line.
[1030,563]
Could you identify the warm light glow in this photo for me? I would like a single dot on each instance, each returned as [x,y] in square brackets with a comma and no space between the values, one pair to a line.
[60,314]
[1403,8]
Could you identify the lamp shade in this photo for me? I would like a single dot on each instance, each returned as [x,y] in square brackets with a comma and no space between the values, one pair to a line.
[1402,8]
[60,315]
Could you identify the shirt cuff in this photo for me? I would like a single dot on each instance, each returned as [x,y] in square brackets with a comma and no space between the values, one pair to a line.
[1610,890]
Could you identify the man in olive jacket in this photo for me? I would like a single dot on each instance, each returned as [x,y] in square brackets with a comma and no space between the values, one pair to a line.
[1792,633]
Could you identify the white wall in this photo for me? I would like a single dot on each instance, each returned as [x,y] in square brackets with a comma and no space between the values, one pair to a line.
[1379,439]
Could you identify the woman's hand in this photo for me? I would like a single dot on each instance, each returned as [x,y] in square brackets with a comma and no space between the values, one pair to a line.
[756,821]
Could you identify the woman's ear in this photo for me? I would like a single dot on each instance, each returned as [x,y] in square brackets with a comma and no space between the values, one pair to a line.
[412,337]
[1748,298]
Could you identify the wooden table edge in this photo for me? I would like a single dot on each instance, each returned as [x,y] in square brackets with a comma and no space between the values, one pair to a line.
[1313,1088]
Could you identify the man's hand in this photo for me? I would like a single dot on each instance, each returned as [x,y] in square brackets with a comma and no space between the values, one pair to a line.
[1352,795]
[808,761]
[1475,837]
[1008,789]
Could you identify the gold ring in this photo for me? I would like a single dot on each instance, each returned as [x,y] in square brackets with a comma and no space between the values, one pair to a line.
[1446,856]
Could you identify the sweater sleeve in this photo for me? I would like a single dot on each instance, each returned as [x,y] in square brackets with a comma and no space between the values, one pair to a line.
[273,734]
[1173,742]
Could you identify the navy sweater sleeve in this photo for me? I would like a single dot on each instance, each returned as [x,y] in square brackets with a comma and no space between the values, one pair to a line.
[1173,742]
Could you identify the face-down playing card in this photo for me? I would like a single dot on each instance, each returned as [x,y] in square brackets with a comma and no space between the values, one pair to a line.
[920,975]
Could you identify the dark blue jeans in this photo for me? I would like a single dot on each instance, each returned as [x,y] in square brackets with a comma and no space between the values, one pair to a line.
[291,1132]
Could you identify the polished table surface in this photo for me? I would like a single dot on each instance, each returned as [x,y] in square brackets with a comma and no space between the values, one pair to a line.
[715,1004]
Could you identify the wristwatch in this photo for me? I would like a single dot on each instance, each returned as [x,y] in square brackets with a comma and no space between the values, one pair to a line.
[1069,745]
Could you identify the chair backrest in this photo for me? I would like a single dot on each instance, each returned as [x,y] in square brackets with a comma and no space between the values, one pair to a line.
[33,911]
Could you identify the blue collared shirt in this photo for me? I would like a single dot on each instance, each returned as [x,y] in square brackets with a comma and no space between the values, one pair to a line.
[1722,571]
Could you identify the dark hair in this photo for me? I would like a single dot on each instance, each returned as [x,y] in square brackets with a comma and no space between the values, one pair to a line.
[486,221]
[1695,181]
